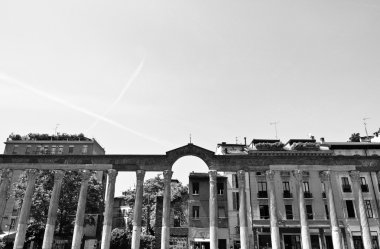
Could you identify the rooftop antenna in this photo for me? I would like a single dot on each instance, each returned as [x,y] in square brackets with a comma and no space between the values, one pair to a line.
[236,140]
[275,126]
[365,126]
[190,137]
[56,129]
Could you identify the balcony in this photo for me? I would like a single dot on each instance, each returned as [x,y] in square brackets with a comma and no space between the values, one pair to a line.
[287,194]
[324,195]
[365,188]
[307,195]
[346,188]
[262,194]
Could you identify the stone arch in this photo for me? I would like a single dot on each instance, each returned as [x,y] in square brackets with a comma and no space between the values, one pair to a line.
[207,156]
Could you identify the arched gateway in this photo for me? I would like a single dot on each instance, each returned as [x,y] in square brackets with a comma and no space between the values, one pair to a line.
[258,161]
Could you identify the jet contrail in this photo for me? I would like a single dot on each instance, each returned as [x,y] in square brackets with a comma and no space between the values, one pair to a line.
[120,96]
[53,98]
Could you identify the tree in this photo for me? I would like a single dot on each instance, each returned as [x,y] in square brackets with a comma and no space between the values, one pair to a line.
[355,137]
[67,202]
[152,188]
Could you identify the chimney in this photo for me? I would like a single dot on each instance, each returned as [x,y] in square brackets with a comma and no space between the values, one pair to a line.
[322,139]
[245,141]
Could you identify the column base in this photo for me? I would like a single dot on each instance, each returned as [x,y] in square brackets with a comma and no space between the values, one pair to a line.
[305,237]
[106,236]
[165,235]
[275,237]
[244,241]
[213,237]
[20,236]
[77,237]
[48,236]
[136,232]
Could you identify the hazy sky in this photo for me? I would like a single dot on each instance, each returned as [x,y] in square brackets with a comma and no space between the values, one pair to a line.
[140,76]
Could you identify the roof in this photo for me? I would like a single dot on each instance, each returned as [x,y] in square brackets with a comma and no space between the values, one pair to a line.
[301,140]
[202,175]
[226,144]
[351,145]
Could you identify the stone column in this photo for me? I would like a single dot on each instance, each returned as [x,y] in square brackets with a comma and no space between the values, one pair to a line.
[4,187]
[305,234]
[81,208]
[31,175]
[213,202]
[366,234]
[137,211]
[165,232]
[275,231]
[334,225]
[53,207]
[244,241]
[107,223]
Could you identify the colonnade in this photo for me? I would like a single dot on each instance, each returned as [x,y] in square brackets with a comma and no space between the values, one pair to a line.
[31,175]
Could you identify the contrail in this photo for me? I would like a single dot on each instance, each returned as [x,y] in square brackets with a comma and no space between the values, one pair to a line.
[53,98]
[120,96]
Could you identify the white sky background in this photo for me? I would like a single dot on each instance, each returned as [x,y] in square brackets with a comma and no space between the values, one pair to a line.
[155,71]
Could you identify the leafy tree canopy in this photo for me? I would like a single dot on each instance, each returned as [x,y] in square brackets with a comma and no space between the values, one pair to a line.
[67,202]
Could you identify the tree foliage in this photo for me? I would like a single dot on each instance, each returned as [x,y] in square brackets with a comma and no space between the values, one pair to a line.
[355,137]
[67,202]
[152,189]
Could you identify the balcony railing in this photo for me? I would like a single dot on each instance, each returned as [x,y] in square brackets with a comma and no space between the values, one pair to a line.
[364,187]
[307,195]
[287,194]
[346,188]
[262,194]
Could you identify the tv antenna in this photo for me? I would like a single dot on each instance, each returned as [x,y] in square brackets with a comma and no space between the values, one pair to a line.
[56,129]
[190,137]
[365,126]
[275,126]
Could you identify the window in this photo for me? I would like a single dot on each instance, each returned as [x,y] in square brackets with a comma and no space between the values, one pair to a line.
[323,191]
[309,212]
[38,149]
[286,187]
[364,185]
[46,149]
[53,149]
[327,212]
[262,187]
[264,212]
[368,208]
[289,212]
[221,212]
[84,149]
[346,187]
[195,188]
[196,212]
[220,187]
[60,150]
[28,149]
[15,149]
[235,200]
[71,149]
[306,190]
[235,183]
[375,242]
[350,209]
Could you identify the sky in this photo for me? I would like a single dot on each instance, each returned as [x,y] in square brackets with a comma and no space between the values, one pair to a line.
[141,76]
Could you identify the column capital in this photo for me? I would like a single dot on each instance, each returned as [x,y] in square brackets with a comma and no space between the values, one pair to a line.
[58,175]
[85,174]
[325,176]
[140,175]
[212,174]
[112,173]
[298,174]
[31,173]
[270,175]
[355,176]
[167,175]
[6,173]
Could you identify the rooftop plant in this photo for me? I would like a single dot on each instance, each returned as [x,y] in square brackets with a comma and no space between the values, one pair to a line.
[47,137]
[305,146]
[270,146]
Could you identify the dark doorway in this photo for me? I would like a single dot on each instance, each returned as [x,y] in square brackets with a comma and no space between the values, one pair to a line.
[202,245]
[264,242]
[222,244]
[314,239]
[329,243]
[292,242]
